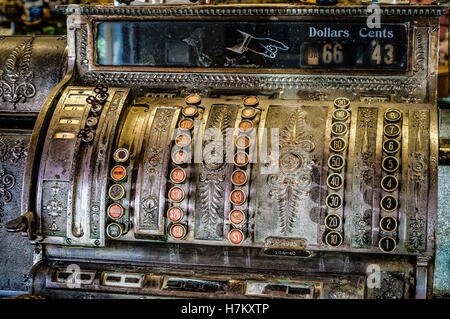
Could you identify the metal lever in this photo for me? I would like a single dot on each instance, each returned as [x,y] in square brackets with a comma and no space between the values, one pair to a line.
[23,223]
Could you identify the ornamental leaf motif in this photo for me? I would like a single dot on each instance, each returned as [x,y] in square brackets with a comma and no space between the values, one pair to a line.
[211,192]
[15,78]
[287,205]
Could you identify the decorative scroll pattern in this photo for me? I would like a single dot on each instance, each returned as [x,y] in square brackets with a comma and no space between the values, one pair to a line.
[16,75]
[316,83]
[212,175]
[288,187]
[148,218]
[7,181]
[418,175]
[12,151]
[362,222]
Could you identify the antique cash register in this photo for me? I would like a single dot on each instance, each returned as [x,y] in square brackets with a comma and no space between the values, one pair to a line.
[222,151]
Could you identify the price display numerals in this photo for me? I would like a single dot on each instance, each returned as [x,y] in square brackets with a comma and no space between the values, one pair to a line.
[382,54]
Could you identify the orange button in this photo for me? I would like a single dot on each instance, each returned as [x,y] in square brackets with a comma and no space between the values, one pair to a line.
[251,101]
[175,213]
[245,125]
[176,194]
[118,173]
[190,110]
[237,197]
[241,159]
[177,175]
[183,140]
[248,113]
[115,211]
[177,231]
[193,99]
[239,177]
[236,217]
[243,142]
[186,124]
[236,236]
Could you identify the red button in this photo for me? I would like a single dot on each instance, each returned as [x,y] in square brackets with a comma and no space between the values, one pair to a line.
[118,173]
[177,231]
[241,159]
[237,216]
[237,197]
[115,211]
[176,194]
[177,175]
[175,214]
[236,236]
[239,178]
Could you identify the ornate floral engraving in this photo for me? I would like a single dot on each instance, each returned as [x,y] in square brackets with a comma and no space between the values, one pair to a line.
[288,187]
[212,175]
[150,207]
[362,222]
[15,150]
[160,127]
[418,174]
[16,75]
[54,208]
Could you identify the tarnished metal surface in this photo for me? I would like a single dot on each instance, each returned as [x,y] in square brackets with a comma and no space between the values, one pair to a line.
[140,186]
[16,253]
[30,67]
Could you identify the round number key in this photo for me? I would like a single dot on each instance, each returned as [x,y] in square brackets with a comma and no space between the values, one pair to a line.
[390,164]
[239,177]
[337,144]
[334,201]
[392,130]
[251,101]
[339,128]
[186,124]
[248,113]
[180,157]
[121,155]
[118,173]
[237,197]
[193,99]
[393,115]
[388,224]
[340,114]
[178,231]
[246,125]
[114,230]
[241,159]
[189,111]
[236,217]
[333,239]
[388,203]
[391,146]
[178,175]
[116,191]
[336,162]
[333,221]
[341,102]
[335,181]
[115,211]
[387,244]
[236,236]
[175,214]
[183,140]
[389,183]
[176,194]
